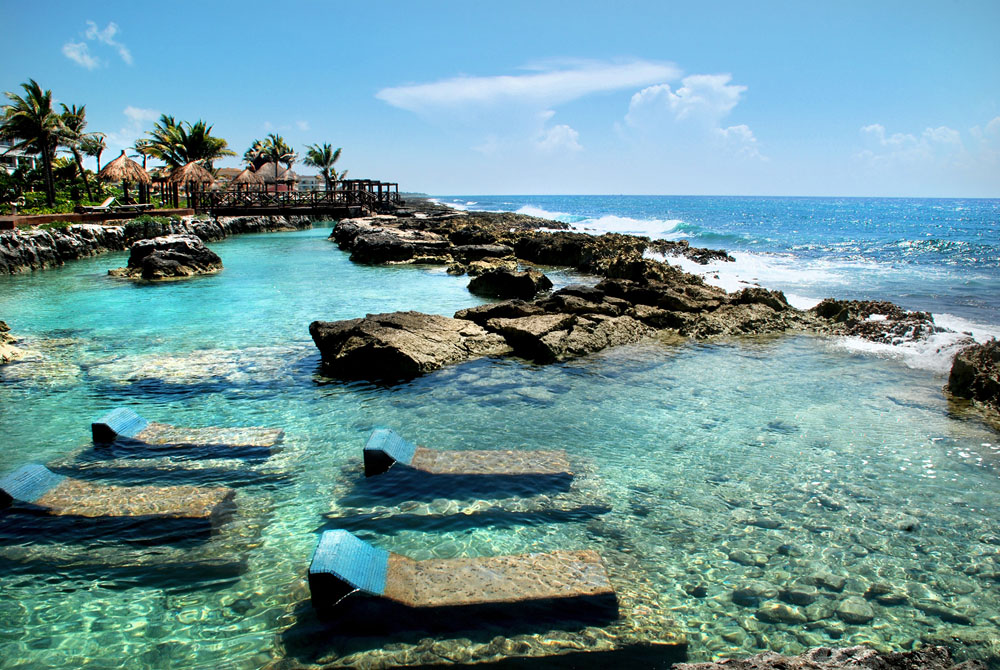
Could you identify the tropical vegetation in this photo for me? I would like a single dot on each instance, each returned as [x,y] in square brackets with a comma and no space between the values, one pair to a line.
[58,183]
[323,157]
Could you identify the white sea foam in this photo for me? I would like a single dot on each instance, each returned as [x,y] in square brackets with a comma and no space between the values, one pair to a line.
[654,228]
[531,210]
[934,353]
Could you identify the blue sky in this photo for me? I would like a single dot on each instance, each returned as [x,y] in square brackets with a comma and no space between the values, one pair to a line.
[767,98]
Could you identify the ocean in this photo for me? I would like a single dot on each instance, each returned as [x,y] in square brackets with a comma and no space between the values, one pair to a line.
[770,493]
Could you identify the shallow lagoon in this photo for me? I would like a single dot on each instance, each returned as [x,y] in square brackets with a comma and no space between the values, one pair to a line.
[748,467]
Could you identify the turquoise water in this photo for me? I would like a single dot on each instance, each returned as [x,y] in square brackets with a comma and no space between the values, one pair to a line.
[709,467]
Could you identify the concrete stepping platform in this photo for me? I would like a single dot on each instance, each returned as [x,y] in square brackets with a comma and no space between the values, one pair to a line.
[58,495]
[122,427]
[386,448]
[343,565]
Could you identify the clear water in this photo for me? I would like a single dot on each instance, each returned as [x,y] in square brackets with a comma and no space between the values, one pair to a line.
[690,451]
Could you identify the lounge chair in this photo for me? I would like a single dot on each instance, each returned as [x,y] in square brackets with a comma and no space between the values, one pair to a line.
[344,566]
[95,209]
[385,448]
[51,494]
[125,428]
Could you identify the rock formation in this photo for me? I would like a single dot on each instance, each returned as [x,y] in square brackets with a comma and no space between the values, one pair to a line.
[8,351]
[24,251]
[851,658]
[169,257]
[501,283]
[400,345]
[975,374]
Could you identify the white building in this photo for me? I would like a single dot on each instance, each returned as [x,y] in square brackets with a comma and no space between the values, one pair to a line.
[11,159]
[311,182]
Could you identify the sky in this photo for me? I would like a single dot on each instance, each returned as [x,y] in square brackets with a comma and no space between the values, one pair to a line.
[828,98]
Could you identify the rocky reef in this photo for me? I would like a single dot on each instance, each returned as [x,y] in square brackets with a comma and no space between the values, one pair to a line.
[169,257]
[637,297]
[975,374]
[24,251]
[8,351]
[851,658]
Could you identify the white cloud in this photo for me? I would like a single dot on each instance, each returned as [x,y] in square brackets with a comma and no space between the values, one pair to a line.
[302,125]
[705,98]
[79,53]
[137,119]
[935,160]
[558,138]
[538,89]
[107,36]
[691,116]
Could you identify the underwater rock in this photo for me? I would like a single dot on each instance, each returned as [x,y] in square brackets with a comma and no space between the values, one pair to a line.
[975,374]
[8,351]
[169,257]
[753,592]
[504,284]
[400,345]
[884,594]
[774,612]
[800,594]
[852,658]
[855,610]
[747,558]
[828,580]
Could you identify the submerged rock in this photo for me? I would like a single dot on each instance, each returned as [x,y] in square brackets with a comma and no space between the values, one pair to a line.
[169,257]
[400,345]
[975,373]
[855,610]
[8,351]
[852,658]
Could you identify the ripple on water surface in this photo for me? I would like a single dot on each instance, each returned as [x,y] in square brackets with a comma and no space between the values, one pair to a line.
[769,494]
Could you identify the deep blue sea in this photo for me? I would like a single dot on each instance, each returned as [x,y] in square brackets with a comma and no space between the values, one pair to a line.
[722,482]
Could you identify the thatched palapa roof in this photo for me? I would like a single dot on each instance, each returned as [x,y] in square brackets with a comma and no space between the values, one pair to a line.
[267,172]
[248,178]
[124,169]
[192,172]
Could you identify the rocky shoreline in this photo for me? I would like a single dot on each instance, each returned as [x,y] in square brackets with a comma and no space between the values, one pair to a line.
[25,251]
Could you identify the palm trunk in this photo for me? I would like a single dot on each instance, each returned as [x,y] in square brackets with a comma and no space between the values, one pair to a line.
[83,174]
[50,188]
[100,191]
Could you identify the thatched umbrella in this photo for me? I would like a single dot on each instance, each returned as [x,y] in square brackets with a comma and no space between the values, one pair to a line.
[246,179]
[126,170]
[274,173]
[193,176]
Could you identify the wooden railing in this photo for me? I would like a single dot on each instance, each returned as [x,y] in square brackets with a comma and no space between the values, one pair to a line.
[355,193]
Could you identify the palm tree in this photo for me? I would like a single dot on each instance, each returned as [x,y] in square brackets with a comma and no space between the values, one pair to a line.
[323,157]
[71,136]
[93,145]
[142,148]
[276,150]
[178,144]
[254,156]
[31,123]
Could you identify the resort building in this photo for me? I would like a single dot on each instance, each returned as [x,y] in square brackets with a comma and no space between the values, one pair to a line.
[11,159]
[312,182]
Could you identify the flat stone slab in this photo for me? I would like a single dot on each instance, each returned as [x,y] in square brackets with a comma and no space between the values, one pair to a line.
[342,565]
[124,427]
[498,579]
[386,448]
[62,496]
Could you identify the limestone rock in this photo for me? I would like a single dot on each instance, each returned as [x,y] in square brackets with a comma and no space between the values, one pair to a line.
[975,373]
[504,284]
[851,658]
[775,612]
[855,610]
[552,337]
[169,257]
[400,345]
[8,351]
